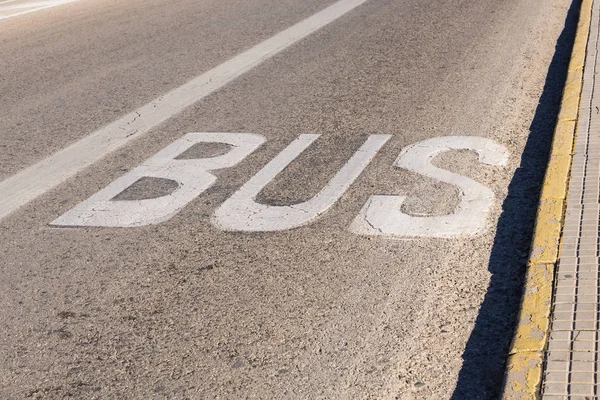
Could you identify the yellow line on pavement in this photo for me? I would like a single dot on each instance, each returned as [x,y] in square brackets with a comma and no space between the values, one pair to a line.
[526,357]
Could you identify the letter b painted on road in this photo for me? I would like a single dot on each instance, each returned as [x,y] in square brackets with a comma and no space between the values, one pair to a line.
[191,175]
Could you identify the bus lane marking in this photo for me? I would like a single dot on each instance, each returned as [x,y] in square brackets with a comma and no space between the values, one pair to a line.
[381,215]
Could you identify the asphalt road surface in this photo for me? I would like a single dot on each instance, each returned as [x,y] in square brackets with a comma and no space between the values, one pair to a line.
[269,199]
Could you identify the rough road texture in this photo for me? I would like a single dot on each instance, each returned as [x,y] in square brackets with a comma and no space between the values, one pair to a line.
[184,310]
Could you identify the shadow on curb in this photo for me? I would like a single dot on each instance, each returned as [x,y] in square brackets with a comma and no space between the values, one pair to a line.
[484,359]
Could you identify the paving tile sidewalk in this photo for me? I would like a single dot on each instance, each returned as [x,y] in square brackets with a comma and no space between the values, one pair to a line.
[572,359]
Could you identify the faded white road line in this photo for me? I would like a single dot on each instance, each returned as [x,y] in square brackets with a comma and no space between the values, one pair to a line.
[37,179]
[20,8]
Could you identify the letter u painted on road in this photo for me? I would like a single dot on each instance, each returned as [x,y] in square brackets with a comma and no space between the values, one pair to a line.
[242,213]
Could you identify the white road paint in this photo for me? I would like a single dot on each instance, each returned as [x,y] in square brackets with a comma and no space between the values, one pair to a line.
[192,176]
[34,181]
[33,4]
[15,8]
[242,213]
[382,215]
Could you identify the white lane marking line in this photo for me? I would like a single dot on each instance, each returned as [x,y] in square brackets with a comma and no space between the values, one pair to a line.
[34,4]
[38,7]
[242,213]
[37,179]
[382,215]
[193,177]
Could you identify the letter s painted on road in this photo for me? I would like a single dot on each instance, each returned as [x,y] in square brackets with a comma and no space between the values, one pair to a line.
[382,215]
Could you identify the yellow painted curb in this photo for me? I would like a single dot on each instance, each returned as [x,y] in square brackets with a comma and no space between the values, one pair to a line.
[526,357]
[544,247]
[525,370]
[535,310]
